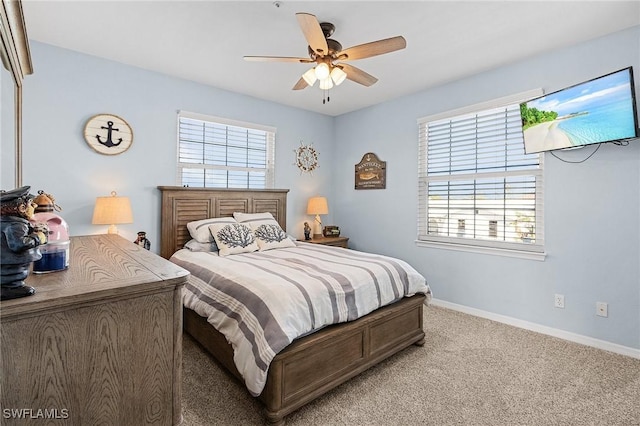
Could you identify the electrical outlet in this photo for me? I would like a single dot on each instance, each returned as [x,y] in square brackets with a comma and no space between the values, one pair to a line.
[559,301]
[602,309]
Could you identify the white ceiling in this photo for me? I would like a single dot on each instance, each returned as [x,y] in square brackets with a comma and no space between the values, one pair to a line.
[205,41]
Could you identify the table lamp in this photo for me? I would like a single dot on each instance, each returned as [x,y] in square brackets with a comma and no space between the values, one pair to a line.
[112,211]
[317,206]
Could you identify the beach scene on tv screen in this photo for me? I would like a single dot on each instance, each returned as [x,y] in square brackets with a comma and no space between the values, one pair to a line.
[596,111]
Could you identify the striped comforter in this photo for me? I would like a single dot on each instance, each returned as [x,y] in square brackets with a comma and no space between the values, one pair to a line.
[262,301]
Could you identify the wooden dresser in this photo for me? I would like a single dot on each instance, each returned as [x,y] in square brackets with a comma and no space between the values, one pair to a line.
[99,343]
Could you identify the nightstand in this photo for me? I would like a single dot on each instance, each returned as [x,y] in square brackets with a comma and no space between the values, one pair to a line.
[331,241]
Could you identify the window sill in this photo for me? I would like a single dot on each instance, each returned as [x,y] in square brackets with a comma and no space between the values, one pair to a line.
[520,254]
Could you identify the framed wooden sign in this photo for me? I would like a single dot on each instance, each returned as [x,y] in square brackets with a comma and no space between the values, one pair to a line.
[371,173]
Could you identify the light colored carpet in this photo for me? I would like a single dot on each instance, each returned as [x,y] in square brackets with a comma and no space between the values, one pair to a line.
[471,371]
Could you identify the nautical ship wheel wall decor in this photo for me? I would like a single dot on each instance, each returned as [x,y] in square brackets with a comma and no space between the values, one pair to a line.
[306,158]
[108,134]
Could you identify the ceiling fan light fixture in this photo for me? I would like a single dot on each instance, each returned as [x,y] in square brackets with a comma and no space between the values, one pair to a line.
[322,71]
[326,84]
[338,76]
[310,76]
[324,52]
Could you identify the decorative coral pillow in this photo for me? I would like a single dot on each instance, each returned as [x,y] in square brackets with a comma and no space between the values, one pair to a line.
[271,236]
[266,229]
[233,238]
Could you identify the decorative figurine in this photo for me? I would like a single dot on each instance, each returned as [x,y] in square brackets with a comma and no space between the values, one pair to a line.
[307,231]
[55,254]
[19,242]
[142,240]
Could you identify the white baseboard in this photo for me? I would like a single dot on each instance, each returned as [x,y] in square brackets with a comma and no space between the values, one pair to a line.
[566,335]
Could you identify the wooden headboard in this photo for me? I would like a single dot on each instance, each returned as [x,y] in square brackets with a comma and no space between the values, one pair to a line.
[182,205]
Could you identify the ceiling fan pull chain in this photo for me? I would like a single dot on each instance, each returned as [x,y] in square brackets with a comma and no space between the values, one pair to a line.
[325,96]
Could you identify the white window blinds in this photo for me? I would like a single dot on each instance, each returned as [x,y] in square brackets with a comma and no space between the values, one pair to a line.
[477,187]
[219,153]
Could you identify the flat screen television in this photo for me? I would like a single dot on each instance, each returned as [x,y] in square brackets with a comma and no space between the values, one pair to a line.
[596,111]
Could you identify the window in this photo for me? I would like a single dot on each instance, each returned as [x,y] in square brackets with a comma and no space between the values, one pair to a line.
[478,190]
[219,153]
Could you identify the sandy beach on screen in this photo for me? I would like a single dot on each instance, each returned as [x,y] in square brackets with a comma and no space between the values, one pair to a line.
[545,136]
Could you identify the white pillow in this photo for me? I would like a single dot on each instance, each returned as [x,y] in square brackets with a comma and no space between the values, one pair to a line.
[233,238]
[194,245]
[266,229]
[248,217]
[199,229]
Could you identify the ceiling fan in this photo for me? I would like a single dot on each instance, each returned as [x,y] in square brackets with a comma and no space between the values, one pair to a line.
[329,57]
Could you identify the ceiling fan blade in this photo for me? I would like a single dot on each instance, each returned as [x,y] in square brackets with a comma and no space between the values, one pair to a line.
[277,59]
[313,33]
[301,84]
[357,75]
[373,48]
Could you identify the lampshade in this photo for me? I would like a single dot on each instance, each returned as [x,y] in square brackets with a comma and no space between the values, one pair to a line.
[322,71]
[317,205]
[112,211]
[310,76]
[338,76]
[326,84]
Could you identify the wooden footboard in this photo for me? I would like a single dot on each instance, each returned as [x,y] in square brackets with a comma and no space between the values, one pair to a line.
[317,363]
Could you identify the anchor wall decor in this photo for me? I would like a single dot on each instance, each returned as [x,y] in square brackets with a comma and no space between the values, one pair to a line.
[108,134]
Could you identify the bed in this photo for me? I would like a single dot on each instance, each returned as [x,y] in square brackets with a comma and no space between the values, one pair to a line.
[316,362]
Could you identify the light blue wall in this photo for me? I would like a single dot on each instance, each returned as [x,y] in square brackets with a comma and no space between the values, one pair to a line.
[67,88]
[592,209]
